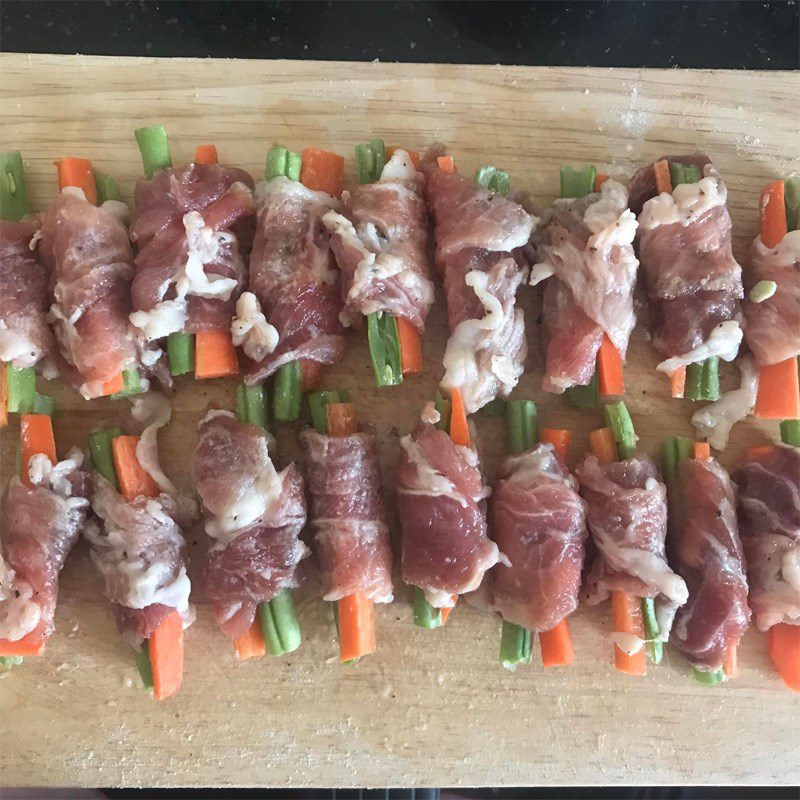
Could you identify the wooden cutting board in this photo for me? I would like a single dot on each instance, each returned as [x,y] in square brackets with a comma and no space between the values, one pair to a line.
[431,707]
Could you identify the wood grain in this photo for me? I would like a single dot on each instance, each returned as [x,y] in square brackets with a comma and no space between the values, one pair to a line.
[430,708]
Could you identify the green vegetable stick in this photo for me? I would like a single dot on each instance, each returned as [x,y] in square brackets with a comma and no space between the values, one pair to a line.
[287,393]
[496,180]
[384,348]
[790,432]
[42,404]
[791,195]
[143,665]
[6,662]
[131,384]
[21,389]
[683,173]
[251,405]
[425,615]
[619,420]
[710,388]
[521,425]
[445,409]
[13,191]
[154,147]
[515,644]
[577,182]
[180,352]
[269,630]
[107,188]
[285,621]
[709,678]
[654,645]
[584,397]
[102,456]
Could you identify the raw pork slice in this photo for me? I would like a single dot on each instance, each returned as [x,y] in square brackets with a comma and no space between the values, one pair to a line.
[41,523]
[254,514]
[381,245]
[709,557]
[441,503]
[291,311]
[25,338]
[769,516]
[627,516]
[351,539]
[539,523]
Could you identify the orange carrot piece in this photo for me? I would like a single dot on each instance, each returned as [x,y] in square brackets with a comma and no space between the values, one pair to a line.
[556,646]
[77,172]
[410,346]
[32,644]
[663,180]
[356,626]
[702,450]
[341,419]
[560,440]
[214,354]
[446,612]
[165,647]
[627,610]
[310,374]
[412,154]
[251,643]
[599,179]
[677,382]
[609,369]
[322,171]
[114,385]
[778,395]
[603,445]
[446,164]
[784,650]
[731,665]
[205,154]
[134,481]
[35,437]
[773,214]
[3,395]
[459,428]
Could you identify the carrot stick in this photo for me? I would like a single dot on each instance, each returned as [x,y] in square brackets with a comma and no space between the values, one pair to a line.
[702,450]
[36,437]
[410,346]
[627,609]
[341,419]
[134,481]
[251,643]
[205,154]
[31,644]
[609,369]
[3,395]
[599,180]
[114,385]
[413,155]
[778,395]
[446,164]
[628,619]
[310,374]
[556,646]
[731,665]
[560,440]
[77,172]
[784,650]
[773,214]
[603,445]
[459,429]
[663,180]
[165,647]
[677,382]
[322,171]
[446,612]
[215,355]
[356,626]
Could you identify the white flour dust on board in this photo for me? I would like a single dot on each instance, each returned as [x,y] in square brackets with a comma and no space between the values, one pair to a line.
[630,118]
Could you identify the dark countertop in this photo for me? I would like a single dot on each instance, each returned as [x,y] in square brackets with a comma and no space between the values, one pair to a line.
[732,35]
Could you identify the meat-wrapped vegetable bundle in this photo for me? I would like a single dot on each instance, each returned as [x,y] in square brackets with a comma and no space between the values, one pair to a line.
[287,323]
[694,283]
[479,237]
[193,232]
[254,514]
[86,249]
[441,503]
[539,523]
[137,544]
[26,342]
[708,554]
[627,516]
[350,536]
[44,510]
[588,315]
[769,517]
[381,244]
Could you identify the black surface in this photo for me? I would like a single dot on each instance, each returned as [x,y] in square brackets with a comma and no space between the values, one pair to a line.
[749,35]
